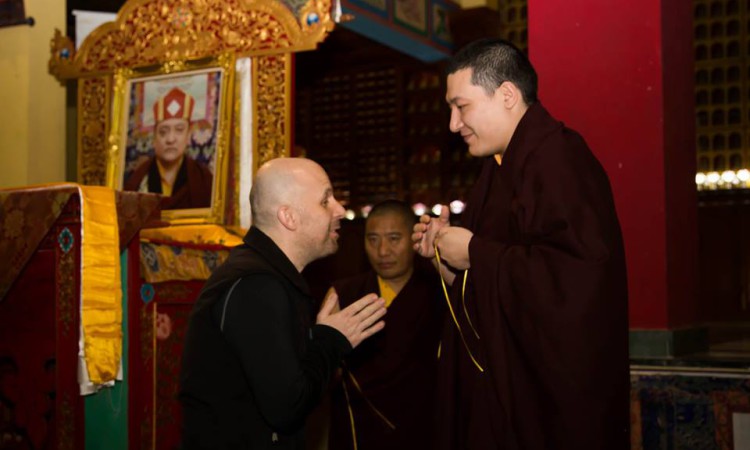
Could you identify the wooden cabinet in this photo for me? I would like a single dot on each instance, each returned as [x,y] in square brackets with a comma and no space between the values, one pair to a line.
[380,127]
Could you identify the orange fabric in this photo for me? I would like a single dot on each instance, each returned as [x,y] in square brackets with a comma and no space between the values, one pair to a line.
[386,292]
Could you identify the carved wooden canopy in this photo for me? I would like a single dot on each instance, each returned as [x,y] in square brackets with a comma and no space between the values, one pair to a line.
[171,35]
[149,32]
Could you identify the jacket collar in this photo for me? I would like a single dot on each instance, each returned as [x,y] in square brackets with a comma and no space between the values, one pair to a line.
[266,248]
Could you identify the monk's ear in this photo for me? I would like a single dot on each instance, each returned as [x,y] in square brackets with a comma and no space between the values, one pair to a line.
[509,94]
[287,217]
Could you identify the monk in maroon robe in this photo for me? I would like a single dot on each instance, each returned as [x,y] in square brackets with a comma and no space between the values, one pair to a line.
[539,357]
[388,382]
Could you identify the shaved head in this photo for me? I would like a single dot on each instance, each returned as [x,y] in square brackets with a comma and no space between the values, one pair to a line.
[278,182]
[395,207]
[292,202]
[387,242]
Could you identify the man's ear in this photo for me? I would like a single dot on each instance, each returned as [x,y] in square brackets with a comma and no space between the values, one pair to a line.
[287,217]
[510,94]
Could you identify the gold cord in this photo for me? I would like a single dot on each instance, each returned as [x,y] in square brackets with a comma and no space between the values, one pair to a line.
[450,308]
[351,411]
[463,302]
[381,415]
[351,415]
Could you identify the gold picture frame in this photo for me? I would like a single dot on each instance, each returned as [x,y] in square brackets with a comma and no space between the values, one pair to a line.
[208,86]
[170,35]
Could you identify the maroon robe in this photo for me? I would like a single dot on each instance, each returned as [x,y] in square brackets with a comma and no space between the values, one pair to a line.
[547,294]
[395,368]
[192,187]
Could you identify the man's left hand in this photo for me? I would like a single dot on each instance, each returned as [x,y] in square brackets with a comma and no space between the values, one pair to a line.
[453,244]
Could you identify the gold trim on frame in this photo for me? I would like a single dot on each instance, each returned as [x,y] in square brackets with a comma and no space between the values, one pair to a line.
[272,105]
[94,101]
[172,34]
[118,132]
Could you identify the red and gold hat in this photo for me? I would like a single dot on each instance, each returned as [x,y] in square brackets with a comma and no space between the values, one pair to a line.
[175,105]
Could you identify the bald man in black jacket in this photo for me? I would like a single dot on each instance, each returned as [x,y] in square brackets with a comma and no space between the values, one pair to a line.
[255,362]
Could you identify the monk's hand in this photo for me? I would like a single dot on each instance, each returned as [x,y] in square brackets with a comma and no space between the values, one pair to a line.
[453,245]
[357,321]
[426,229]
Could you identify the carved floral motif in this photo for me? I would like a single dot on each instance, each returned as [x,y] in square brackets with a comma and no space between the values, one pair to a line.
[174,33]
[150,32]
[93,113]
[272,106]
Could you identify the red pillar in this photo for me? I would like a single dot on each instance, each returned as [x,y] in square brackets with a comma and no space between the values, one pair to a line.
[621,73]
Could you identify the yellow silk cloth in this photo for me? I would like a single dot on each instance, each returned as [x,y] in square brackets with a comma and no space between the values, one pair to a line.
[101,291]
[28,212]
[185,252]
[195,234]
[386,292]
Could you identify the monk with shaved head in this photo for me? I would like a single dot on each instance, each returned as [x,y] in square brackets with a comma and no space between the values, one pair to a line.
[256,361]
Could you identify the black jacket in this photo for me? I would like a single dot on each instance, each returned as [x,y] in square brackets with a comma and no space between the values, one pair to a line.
[254,363]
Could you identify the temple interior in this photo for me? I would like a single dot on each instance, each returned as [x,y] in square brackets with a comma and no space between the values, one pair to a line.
[660,93]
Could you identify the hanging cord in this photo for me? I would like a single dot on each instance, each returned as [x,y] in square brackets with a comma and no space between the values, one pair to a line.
[351,414]
[351,411]
[450,308]
[463,302]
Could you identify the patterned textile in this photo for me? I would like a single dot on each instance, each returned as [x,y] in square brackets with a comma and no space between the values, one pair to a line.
[686,410]
[29,212]
[134,210]
[26,216]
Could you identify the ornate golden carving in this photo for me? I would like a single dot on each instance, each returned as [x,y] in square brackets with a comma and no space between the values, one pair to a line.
[118,130]
[149,32]
[170,35]
[63,52]
[93,126]
[272,106]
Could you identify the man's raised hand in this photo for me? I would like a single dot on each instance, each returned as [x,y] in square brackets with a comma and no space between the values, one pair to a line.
[357,321]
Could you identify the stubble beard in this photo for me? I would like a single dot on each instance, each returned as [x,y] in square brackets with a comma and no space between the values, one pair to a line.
[330,246]
[325,248]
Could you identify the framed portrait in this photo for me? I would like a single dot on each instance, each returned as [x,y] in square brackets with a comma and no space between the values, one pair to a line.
[439,24]
[377,7]
[411,14]
[170,135]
